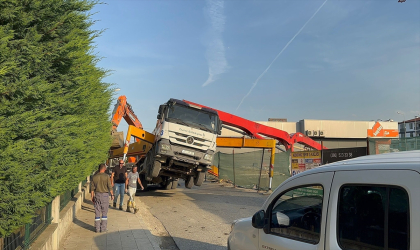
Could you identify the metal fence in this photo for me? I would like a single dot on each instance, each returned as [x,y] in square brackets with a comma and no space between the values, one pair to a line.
[380,146]
[84,182]
[25,235]
[66,197]
[251,169]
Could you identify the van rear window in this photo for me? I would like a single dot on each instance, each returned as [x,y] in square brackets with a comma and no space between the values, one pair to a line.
[373,217]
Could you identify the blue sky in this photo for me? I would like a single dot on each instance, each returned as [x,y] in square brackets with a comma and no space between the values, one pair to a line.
[354,60]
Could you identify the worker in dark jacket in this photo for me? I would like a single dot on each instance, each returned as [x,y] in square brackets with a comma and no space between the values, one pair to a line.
[99,189]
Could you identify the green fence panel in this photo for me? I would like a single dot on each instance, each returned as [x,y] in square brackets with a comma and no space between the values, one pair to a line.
[74,191]
[64,199]
[382,145]
[13,241]
[25,235]
[225,165]
[248,170]
[281,168]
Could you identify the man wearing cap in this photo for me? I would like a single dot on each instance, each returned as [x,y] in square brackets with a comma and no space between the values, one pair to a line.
[99,189]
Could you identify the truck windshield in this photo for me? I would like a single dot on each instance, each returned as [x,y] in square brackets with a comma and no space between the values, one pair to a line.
[193,117]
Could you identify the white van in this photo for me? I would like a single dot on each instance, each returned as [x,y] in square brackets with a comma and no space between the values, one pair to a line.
[366,203]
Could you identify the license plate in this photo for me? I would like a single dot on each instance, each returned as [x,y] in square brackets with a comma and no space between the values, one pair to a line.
[187,152]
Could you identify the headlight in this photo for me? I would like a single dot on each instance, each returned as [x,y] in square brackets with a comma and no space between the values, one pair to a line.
[208,157]
[165,147]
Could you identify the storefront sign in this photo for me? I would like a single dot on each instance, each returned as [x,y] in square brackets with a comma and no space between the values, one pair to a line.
[378,131]
[339,154]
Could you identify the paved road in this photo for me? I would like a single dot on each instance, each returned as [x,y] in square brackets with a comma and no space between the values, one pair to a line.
[200,218]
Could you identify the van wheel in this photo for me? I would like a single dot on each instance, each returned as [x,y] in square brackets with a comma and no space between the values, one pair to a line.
[189,182]
[198,180]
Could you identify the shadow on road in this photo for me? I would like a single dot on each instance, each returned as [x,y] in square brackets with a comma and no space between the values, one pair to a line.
[139,239]
[155,191]
[84,225]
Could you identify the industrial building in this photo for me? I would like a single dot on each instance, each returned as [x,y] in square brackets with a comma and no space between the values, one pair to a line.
[330,133]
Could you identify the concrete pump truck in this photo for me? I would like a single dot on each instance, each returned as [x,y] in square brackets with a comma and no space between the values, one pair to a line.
[182,145]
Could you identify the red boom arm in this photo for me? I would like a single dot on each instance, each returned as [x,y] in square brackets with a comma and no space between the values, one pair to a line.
[256,130]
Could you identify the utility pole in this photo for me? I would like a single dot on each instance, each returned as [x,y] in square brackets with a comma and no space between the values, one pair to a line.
[415,130]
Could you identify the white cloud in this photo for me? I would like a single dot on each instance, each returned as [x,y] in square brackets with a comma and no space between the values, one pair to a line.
[215,53]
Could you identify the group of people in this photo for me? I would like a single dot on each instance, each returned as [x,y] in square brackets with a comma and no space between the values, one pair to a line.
[120,183]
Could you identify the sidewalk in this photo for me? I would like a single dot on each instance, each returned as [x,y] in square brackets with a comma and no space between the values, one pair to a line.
[126,231]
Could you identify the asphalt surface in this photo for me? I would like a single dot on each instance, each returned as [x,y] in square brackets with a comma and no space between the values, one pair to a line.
[201,217]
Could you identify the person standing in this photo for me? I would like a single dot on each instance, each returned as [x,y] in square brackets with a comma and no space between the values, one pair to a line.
[100,187]
[118,177]
[131,184]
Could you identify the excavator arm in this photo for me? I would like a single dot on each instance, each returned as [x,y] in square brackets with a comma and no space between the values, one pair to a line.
[123,110]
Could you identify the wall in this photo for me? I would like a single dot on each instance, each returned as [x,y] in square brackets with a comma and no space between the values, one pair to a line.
[331,128]
[343,129]
[55,232]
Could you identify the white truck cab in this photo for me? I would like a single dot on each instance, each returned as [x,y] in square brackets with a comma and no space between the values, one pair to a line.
[366,203]
[185,143]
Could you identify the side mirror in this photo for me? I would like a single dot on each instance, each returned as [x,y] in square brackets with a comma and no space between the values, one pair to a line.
[258,220]
[282,219]
[159,116]
[220,128]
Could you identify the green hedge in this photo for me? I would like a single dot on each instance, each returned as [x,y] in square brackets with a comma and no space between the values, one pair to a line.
[54,120]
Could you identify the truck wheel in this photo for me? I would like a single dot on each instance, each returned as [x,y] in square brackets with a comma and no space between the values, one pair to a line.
[167,183]
[148,165]
[174,184]
[189,182]
[154,172]
[198,180]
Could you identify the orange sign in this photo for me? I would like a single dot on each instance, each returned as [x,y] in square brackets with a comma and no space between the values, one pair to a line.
[378,131]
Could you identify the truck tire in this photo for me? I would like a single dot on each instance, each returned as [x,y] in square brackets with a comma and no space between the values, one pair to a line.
[174,184]
[155,169]
[198,180]
[189,182]
[148,165]
[167,183]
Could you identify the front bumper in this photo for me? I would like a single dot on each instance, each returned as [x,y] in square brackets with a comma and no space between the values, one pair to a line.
[182,154]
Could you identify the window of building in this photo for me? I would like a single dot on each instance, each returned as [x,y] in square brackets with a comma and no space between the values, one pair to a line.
[373,217]
[411,125]
[297,213]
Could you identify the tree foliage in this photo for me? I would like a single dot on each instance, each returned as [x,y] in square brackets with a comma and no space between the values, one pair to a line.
[54,121]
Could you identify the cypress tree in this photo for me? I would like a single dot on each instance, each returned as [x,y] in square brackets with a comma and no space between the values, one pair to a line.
[54,120]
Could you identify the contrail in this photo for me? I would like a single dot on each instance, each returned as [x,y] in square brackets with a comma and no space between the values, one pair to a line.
[215,53]
[285,47]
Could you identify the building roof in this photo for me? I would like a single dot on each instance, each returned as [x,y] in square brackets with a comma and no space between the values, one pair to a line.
[412,120]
